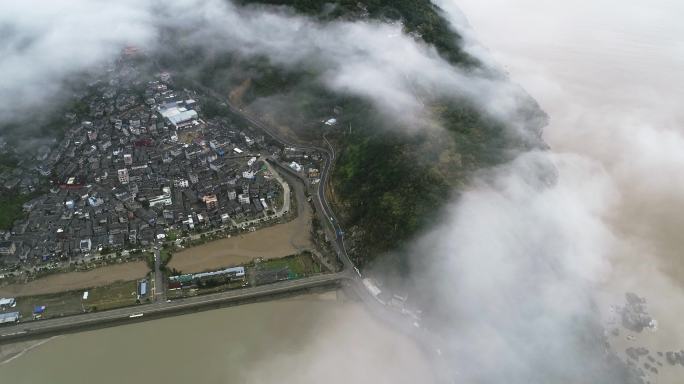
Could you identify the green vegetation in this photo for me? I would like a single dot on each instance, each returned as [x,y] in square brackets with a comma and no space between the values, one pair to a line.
[389,182]
[390,185]
[165,255]
[300,265]
[119,294]
[58,304]
[421,17]
[8,162]
[11,208]
[116,295]
[11,205]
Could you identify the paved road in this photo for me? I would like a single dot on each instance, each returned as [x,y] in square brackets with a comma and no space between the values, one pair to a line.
[350,273]
[159,292]
[163,307]
[282,211]
[320,197]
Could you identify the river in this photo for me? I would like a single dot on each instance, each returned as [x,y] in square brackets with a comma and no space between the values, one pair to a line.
[278,341]
[608,72]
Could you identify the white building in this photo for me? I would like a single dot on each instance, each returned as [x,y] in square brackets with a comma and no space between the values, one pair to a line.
[163,199]
[7,302]
[123,176]
[243,198]
[189,222]
[181,183]
[10,317]
[295,166]
[232,195]
[85,245]
[178,115]
[95,201]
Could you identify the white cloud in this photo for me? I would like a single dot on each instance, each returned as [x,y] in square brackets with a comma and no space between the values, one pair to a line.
[42,43]
[512,267]
[516,256]
[365,58]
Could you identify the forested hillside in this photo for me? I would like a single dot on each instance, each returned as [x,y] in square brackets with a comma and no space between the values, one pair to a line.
[388,183]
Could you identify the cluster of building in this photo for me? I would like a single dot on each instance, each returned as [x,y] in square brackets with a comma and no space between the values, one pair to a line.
[143,161]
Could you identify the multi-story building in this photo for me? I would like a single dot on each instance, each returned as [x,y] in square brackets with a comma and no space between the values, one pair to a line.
[7,248]
[123,176]
[211,201]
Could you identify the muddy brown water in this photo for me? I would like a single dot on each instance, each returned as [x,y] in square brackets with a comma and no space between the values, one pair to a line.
[293,341]
[61,282]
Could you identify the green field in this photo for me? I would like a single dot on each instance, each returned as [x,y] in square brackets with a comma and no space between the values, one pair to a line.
[119,294]
[116,295]
[59,304]
[300,265]
[180,293]
[11,208]
[297,266]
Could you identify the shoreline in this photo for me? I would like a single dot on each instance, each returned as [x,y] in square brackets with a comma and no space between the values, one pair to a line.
[147,312]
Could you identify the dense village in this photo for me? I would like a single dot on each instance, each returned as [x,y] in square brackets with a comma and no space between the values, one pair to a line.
[139,165]
[145,173]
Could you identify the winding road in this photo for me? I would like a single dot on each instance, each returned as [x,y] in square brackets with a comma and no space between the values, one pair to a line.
[350,275]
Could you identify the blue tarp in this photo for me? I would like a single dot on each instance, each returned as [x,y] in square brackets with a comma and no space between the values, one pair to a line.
[39,309]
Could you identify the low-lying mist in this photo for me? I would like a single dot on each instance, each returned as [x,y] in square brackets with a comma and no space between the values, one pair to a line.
[506,274]
[374,60]
[510,271]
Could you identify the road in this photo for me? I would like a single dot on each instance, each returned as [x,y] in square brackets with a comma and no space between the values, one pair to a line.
[8,333]
[320,199]
[285,209]
[402,322]
[159,292]
[350,273]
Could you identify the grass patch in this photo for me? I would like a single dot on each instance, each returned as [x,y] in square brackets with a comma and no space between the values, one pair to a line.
[56,304]
[165,255]
[119,294]
[173,235]
[11,208]
[116,295]
[299,265]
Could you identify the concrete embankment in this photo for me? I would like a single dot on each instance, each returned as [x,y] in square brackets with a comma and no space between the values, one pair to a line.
[78,323]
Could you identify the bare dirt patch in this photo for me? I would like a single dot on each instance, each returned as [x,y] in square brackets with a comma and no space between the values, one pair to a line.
[77,280]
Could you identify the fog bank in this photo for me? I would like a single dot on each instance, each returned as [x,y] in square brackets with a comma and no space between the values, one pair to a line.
[609,75]
[399,74]
[509,273]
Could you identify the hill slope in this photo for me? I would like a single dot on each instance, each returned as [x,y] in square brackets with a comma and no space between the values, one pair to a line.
[391,177]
